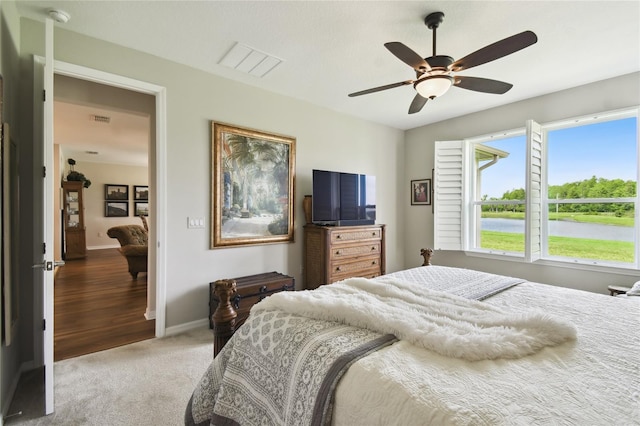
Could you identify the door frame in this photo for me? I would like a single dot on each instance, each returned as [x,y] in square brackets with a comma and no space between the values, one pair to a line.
[156,297]
[156,302]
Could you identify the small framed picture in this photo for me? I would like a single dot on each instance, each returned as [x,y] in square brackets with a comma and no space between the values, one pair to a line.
[421,192]
[140,193]
[116,208]
[116,192]
[142,208]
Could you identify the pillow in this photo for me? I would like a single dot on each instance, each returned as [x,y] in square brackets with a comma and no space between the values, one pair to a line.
[635,290]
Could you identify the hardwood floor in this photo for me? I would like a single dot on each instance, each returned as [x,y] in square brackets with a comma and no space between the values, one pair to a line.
[98,305]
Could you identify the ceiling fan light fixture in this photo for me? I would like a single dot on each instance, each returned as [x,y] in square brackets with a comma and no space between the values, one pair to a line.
[433,86]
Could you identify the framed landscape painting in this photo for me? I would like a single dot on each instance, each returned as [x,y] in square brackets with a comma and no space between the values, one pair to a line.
[142,208]
[116,209]
[140,192]
[116,192]
[252,186]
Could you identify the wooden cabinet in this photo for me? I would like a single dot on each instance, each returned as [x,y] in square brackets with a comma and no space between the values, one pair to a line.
[75,241]
[334,253]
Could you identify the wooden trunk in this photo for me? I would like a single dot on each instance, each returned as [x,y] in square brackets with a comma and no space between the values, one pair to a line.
[250,290]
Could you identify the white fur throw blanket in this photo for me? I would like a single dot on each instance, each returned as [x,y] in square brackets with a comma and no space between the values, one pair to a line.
[444,323]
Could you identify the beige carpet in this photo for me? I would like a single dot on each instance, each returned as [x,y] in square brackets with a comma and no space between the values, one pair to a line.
[144,383]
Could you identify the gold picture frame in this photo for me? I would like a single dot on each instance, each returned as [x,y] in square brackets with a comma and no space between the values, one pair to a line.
[253,175]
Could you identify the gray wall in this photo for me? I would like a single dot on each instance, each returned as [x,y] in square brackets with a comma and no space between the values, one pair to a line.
[11,356]
[325,139]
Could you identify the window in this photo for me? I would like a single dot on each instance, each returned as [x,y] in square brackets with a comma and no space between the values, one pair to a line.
[563,191]
[498,193]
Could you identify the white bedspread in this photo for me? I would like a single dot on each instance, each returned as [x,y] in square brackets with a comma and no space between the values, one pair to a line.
[594,380]
[445,323]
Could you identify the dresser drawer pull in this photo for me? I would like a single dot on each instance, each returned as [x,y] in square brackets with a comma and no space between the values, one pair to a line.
[338,269]
[373,248]
[263,289]
[338,252]
[338,236]
[375,262]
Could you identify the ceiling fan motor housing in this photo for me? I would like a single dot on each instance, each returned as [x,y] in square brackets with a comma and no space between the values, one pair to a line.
[439,64]
[440,61]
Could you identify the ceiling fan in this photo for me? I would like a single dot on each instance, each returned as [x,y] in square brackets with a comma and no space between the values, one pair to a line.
[435,74]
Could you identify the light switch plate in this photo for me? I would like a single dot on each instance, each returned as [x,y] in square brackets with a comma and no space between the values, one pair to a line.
[195,222]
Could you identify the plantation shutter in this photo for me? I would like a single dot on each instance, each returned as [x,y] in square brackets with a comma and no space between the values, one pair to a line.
[448,195]
[533,217]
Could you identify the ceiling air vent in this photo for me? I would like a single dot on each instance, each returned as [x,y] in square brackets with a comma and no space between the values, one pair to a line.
[249,60]
[101,119]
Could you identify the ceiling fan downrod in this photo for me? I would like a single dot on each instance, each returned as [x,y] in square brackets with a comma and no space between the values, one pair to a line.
[433,21]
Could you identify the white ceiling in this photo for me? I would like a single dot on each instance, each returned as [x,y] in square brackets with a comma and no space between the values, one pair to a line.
[332,48]
[124,140]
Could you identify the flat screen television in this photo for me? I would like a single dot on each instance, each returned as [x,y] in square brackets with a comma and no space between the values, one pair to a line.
[343,199]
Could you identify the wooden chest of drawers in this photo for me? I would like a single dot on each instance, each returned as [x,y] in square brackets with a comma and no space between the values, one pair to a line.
[249,291]
[334,253]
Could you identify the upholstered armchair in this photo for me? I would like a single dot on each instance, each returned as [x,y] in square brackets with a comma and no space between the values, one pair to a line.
[133,241]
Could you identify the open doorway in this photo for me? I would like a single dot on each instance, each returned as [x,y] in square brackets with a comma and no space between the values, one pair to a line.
[43,383]
[105,134]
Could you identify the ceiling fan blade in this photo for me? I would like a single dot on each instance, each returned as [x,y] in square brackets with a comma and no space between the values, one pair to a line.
[496,50]
[408,56]
[482,85]
[378,89]
[417,103]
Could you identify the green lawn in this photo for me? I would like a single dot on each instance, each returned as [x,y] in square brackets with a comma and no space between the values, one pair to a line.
[580,248]
[602,218]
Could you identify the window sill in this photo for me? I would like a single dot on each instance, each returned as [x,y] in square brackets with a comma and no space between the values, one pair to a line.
[567,264]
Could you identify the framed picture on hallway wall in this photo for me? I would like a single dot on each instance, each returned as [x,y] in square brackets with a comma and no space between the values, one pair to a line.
[116,209]
[116,192]
[140,193]
[142,208]
[252,186]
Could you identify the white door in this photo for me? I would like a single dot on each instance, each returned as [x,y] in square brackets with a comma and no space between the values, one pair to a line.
[47,265]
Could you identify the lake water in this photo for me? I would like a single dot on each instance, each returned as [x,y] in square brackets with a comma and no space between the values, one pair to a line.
[565,229]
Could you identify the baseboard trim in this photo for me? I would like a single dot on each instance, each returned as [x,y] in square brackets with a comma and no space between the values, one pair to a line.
[177,329]
[150,315]
[110,246]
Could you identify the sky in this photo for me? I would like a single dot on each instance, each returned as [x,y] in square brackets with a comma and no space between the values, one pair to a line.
[605,150]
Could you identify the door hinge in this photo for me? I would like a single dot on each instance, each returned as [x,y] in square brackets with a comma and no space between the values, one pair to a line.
[44,324]
[44,171]
[44,248]
[44,95]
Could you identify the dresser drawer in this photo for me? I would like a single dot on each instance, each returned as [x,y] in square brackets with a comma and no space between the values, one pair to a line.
[357,268]
[347,251]
[365,273]
[346,235]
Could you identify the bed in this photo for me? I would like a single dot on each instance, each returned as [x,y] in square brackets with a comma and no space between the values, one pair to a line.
[429,345]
